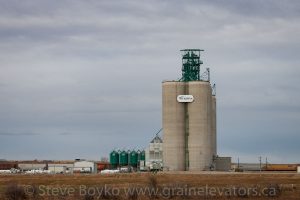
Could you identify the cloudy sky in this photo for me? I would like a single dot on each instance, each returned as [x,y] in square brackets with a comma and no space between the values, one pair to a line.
[79,78]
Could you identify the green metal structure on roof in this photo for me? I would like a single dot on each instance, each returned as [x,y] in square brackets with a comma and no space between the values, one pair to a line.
[191,64]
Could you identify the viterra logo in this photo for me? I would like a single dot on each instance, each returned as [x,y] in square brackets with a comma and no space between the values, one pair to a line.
[185,98]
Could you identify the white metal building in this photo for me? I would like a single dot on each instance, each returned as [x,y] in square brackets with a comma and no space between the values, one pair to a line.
[85,167]
[154,153]
[60,168]
[31,166]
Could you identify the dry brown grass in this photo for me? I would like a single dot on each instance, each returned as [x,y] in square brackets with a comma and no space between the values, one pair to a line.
[285,185]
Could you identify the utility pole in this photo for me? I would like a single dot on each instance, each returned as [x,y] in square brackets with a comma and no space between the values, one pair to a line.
[260,163]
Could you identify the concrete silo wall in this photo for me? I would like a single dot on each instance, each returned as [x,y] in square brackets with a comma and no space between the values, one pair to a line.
[189,129]
[173,126]
[214,125]
[200,140]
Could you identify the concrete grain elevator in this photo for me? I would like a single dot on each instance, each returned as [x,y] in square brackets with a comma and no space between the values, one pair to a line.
[189,118]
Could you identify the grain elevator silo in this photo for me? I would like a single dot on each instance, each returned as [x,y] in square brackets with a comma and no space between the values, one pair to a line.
[189,117]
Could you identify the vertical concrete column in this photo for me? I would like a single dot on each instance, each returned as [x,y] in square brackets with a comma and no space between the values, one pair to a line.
[173,115]
[214,125]
[200,140]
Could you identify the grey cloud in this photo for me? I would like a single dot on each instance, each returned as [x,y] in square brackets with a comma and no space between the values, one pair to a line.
[88,73]
[260,8]
[17,134]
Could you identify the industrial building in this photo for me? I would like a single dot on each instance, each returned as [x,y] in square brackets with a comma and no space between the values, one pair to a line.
[61,168]
[154,154]
[189,117]
[189,124]
[83,166]
[222,163]
[149,159]
[54,167]
[27,166]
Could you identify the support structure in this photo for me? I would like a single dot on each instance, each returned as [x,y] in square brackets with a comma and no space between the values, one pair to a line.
[191,64]
[189,117]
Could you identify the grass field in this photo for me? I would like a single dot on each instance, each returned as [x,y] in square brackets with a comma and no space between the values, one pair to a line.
[152,186]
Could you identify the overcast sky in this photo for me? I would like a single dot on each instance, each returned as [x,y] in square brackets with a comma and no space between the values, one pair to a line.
[79,78]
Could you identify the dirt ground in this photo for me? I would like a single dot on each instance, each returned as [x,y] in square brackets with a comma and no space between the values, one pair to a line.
[183,185]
